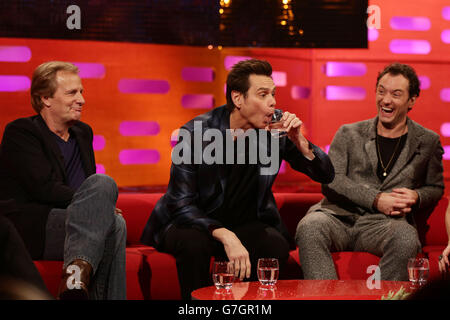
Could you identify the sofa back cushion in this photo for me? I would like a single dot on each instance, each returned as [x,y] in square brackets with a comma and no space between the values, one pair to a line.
[431,224]
[136,209]
[293,207]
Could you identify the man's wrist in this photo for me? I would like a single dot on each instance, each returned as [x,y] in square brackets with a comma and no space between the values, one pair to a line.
[308,152]
[375,201]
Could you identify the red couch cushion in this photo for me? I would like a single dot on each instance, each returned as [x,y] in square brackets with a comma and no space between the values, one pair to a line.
[136,209]
[431,224]
[293,206]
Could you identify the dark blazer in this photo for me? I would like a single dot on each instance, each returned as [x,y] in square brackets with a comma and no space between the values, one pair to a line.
[195,191]
[354,156]
[33,178]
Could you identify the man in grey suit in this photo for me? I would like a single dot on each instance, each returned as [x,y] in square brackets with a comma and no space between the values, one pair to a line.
[388,169]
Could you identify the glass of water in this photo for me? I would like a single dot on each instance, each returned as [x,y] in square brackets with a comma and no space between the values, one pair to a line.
[223,274]
[418,271]
[268,270]
[276,125]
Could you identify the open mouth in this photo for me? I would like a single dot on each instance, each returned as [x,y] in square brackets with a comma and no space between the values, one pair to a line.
[387,110]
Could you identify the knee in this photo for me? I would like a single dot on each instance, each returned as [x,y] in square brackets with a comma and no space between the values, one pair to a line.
[312,225]
[405,239]
[103,183]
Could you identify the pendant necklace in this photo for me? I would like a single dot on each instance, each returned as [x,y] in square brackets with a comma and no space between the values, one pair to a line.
[385,168]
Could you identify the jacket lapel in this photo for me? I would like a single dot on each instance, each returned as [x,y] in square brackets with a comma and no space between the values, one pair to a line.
[49,141]
[370,146]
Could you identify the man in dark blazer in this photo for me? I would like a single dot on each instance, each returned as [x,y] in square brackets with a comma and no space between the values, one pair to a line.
[49,189]
[388,170]
[224,208]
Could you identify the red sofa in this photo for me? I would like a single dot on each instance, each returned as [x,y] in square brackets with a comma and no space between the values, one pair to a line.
[152,274]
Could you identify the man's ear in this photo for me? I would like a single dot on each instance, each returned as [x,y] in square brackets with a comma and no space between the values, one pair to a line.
[236,97]
[411,102]
[46,101]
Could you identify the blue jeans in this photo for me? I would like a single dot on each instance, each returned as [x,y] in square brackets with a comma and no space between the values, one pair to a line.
[89,229]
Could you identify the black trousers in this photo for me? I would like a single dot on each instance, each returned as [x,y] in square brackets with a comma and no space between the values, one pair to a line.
[15,261]
[193,249]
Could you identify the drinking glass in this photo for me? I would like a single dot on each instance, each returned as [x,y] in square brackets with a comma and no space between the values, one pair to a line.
[223,274]
[276,125]
[418,271]
[268,270]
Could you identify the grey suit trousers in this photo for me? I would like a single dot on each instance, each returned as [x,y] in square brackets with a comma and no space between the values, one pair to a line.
[393,239]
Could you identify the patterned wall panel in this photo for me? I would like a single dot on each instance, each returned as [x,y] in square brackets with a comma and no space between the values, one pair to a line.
[138,95]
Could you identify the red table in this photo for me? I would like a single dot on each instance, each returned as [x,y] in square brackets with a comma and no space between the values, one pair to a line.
[302,290]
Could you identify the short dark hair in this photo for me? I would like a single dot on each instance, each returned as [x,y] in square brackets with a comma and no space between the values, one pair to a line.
[237,79]
[405,70]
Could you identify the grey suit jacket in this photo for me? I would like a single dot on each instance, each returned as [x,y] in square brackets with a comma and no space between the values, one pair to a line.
[356,184]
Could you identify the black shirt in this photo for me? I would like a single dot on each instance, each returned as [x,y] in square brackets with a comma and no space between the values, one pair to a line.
[240,199]
[72,161]
[388,148]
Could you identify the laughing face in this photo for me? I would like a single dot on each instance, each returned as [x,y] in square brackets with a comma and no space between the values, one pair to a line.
[67,102]
[393,100]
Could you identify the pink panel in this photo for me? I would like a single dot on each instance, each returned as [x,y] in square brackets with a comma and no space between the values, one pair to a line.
[230,61]
[445,129]
[100,168]
[282,167]
[445,36]
[446,155]
[91,70]
[14,83]
[425,82]
[344,69]
[139,128]
[446,13]
[445,94]
[139,156]
[410,23]
[143,86]
[372,34]
[344,93]
[15,54]
[298,92]
[197,74]
[197,101]
[99,142]
[174,137]
[279,78]
[410,46]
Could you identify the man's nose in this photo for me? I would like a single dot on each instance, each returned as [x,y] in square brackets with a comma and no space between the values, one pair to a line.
[273,102]
[80,98]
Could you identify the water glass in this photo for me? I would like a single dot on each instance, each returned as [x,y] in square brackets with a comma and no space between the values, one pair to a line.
[276,125]
[223,274]
[268,270]
[418,271]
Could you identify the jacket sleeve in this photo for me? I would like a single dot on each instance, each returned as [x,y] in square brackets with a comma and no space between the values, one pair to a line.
[343,189]
[26,159]
[319,169]
[433,188]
